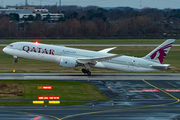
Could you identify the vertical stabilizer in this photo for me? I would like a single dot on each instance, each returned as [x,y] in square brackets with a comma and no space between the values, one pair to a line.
[159,54]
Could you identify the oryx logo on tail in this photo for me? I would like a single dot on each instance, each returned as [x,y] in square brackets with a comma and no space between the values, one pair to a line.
[161,53]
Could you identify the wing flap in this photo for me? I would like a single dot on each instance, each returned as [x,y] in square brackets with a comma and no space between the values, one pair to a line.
[97,59]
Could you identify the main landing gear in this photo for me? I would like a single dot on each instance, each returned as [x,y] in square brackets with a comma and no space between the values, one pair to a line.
[86,71]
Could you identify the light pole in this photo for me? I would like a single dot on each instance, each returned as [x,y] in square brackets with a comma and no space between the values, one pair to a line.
[59,2]
[17,28]
[10,28]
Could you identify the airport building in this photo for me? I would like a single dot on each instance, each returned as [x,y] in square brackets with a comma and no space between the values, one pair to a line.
[24,12]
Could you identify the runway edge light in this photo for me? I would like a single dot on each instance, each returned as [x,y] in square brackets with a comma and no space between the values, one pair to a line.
[14,71]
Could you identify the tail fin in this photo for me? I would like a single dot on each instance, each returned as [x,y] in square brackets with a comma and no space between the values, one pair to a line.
[159,54]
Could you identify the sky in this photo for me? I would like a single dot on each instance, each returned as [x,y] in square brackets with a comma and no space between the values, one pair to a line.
[161,4]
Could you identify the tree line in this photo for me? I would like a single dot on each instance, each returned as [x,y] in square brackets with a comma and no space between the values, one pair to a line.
[95,22]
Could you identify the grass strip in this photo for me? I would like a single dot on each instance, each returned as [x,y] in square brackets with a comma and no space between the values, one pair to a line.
[70,92]
[90,41]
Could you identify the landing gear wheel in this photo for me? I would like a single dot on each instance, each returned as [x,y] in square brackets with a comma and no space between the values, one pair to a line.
[15,60]
[88,72]
[84,71]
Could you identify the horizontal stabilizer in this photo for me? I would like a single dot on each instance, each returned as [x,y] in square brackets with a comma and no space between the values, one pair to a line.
[161,67]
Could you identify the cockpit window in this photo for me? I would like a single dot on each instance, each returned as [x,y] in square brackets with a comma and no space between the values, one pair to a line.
[11,45]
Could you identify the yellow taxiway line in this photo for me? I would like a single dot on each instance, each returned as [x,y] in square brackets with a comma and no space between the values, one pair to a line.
[116,110]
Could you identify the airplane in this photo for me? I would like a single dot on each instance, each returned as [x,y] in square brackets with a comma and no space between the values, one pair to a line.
[70,57]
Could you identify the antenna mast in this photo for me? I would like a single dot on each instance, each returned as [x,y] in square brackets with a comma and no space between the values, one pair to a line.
[26,3]
[59,2]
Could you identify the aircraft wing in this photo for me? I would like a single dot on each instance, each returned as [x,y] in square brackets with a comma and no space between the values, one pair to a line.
[97,59]
[106,50]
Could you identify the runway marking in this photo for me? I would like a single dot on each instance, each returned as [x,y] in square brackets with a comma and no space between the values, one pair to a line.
[169,109]
[144,90]
[147,88]
[153,99]
[36,114]
[116,110]
[160,89]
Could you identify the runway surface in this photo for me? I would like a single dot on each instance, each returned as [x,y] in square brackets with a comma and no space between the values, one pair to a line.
[137,97]
[94,76]
[104,44]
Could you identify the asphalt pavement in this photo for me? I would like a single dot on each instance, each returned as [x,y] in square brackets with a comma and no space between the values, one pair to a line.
[137,99]
[94,76]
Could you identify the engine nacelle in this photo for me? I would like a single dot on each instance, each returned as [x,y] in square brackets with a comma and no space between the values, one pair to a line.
[68,62]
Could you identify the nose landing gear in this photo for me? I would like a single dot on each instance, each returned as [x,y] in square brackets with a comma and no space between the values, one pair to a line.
[16,61]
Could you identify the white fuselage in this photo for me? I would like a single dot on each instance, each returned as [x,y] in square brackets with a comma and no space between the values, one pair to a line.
[53,53]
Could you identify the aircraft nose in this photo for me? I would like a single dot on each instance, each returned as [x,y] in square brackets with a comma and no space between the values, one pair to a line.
[4,49]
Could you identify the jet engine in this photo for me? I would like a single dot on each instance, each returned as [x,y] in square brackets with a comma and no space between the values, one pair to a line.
[68,62]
